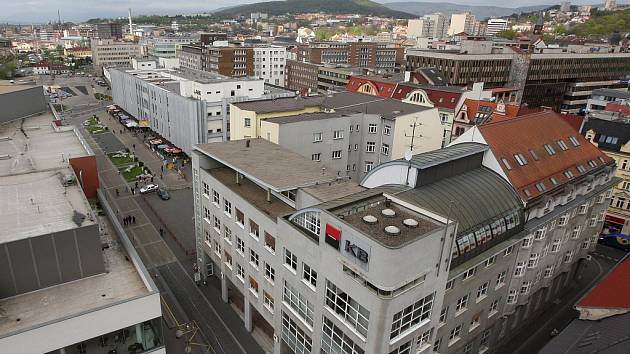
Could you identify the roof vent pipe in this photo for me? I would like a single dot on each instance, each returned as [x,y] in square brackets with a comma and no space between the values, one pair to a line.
[392,230]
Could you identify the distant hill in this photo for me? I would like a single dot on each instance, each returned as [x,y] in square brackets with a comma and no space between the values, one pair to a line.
[362,7]
[482,12]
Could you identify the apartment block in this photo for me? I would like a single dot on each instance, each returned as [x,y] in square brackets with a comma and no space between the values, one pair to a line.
[113,53]
[110,30]
[190,56]
[270,64]
[378,56]
[496,25]
[231,61]
[335,77]
[609,100]
[562,81]
[611,136]
[429,26]
[452,250]
[465,23]
[65,268]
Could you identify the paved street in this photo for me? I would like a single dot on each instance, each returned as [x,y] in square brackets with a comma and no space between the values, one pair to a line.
[562,312]
[168,258]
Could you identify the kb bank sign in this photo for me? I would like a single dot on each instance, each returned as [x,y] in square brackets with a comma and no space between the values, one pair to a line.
[354,249]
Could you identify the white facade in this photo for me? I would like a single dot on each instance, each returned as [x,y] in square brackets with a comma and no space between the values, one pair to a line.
[429,26]
[496,25]
[270,63]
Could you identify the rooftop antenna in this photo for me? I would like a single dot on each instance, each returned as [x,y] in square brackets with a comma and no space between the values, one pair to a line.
[413,134]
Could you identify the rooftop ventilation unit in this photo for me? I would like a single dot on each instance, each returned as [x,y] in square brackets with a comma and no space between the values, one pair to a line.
[388,213]
[370,219]
[392,230]
[411,223]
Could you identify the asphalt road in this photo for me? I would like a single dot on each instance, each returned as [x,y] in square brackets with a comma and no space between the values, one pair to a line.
[561,312]
[220,326]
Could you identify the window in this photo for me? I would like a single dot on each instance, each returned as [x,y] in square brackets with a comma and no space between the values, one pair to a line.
[334,340]
[228,259]
[519,269]
[216,199]
[474,322]
[436,345]
[574,141]
[424,338]
[512,297]
[534,155]
[270,273]
[575,233]
[548,271]
[217,249]
[298,303]
[540,233]
[372,128]
[527,241]
[501,279]
[568,256]
[370,146]
[540,186]
[550,150]
[562,145]
[298,341]
[387,130]
[563,220]
[368,166]
[525,287]
[469,273]
[553,181]
[253,286]
[506,163]
[336,154]
[356,147]
[240,218]
[411,316]
[385,149]
[248,122]
[254,230]
[338,134]
[290,260]
[494,308]
[217,224]
[268,301]
[482,291]
[227,207]
[454,334]
[206,189]
[520,159]
[449,284]
[240,246]
[508,251]
[253,258]
[227,234]
[533,260]
[443,314]
[316,157]
[405,348]
[489,261]
[568,174]
[349,309]
[270,242]
[462,302]
[240,272]
[317,137]
[309,275]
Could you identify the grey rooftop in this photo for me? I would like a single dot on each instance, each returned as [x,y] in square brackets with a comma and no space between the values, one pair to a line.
[267,163]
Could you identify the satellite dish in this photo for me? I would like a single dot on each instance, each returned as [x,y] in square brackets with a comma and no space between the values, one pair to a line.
[408,155]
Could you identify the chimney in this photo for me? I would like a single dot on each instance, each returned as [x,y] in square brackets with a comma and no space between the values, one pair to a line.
[247,143]
[269,195]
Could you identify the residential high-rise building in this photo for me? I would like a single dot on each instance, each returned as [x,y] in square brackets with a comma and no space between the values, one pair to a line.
[415,251]
[270,63]
[110,30]
[610,5]
[228,60]
[429,26]
[465,23]
[496,25]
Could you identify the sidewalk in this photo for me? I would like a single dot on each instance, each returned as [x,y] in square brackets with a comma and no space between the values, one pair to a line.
[171,179]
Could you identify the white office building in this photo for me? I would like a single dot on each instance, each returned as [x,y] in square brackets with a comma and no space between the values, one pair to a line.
[270,63]
[429,26]
[496,25]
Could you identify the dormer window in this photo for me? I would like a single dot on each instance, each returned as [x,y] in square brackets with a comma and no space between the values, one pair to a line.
[520,159]
[550,150]
[506,163]
[574,141]
[562,145]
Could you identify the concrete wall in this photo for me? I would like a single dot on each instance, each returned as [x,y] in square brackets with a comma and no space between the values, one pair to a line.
[20,104]
[43,261]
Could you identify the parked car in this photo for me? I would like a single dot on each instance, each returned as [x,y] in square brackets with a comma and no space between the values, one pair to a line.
[616,240]
[163,194]
[149,188]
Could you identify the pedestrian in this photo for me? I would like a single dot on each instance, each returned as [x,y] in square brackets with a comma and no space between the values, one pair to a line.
[132,191]
[117,193]
[161,231]
[125,221]
[134,146]
[121,131]
[162,168]
[161,175]
[133,219]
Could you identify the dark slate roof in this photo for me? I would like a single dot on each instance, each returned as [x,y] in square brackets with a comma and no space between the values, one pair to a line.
[607,336]
[305,117]
[449,153]
[357,102]
[480,196]
[611,93]
[434,75]
[617,129]
[280,104]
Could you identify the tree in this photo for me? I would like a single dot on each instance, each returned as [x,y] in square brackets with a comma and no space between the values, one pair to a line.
[508,34]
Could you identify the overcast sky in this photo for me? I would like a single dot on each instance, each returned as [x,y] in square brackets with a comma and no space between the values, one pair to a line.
[14,11]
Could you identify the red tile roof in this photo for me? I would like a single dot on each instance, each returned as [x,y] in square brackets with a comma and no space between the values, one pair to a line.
[511,111]
[574,120]
[613,292]
[616,107]
[524,134]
